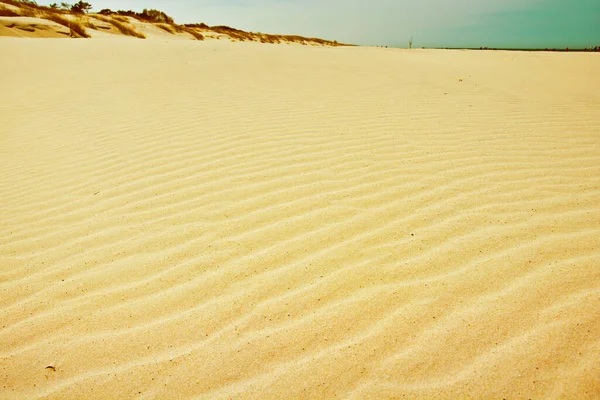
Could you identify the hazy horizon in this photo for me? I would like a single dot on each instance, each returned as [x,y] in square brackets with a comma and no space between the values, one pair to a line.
[432,23]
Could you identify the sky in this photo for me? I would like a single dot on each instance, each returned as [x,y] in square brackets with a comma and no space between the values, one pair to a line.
[432,23]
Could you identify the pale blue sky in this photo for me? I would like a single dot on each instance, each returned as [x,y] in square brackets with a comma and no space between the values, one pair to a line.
[441,23]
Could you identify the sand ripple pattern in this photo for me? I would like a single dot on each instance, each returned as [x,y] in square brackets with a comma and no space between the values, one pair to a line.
[217,220]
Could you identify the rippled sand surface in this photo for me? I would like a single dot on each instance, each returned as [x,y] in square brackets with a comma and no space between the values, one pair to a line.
[228,220]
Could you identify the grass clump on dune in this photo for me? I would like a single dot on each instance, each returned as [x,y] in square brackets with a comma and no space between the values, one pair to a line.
[233,33]
[174,29]
[74,17]
[167,28]
[121,26]
[197,35]
[31,9]
[121,18]
[128,30]
[76,28]
[5,12]
[27,6]
[88,23]
[148,15]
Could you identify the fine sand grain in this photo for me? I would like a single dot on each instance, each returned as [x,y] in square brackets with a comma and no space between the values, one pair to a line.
[234,220]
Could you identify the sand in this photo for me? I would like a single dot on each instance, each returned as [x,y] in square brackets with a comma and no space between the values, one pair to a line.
[234,220]
[28,20]
[31,27]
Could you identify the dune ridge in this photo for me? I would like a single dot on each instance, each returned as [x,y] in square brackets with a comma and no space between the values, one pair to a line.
[23,18]
[282,221]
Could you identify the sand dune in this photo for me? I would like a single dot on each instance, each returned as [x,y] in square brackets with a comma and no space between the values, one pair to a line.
[30,20]
[236,220]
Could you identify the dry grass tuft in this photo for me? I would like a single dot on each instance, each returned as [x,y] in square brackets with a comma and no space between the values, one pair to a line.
[167,27]
[128,30]
[197,35]
[28,12]
[201,26]
[88,23]
[233,33]
[240,35]
[121,18]
[76,28]
[31,8]
[174,28]
[102,18]
[5,12]
[125,29]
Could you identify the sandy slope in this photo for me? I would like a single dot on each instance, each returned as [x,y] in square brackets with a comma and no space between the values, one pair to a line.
[214,219]
[28,20]
[31,27]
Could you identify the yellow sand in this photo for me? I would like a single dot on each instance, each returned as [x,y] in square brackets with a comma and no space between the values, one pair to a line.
[212,220]
[31,27]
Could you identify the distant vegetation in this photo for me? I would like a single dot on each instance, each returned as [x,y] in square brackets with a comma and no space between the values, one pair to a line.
[243,36]
[81,7]
[56,12]
[567,49]
[76,16]
[148,15]
[29,8]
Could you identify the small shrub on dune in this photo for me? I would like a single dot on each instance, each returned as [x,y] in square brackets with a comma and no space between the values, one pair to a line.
[147,15]
[81,7]
[151,15]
